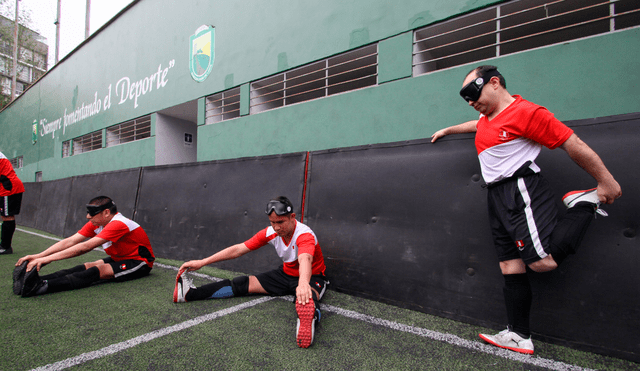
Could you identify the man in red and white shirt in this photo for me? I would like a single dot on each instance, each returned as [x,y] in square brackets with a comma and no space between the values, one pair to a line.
[526,231]
[126,243]
[302,273]
[11,190]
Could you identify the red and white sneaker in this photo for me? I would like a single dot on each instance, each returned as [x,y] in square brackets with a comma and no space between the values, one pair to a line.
[590,195]
[306,326]
[183,285]
[508,339]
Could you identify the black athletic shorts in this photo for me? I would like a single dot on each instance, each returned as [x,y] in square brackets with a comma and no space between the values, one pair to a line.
[522,214]
[11,204]
[278,283]
[125,270]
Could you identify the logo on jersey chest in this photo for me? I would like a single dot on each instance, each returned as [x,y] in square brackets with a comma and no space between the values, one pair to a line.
[504,135]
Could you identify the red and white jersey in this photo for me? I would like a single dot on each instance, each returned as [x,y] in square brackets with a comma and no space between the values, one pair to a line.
[126,239]
[10,184]
[516,135]
[302,241]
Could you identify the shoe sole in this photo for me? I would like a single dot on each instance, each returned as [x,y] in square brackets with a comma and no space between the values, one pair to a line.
[306,313]
[176,289]
[28,277]
[519,350]
[18,277]
[572,196]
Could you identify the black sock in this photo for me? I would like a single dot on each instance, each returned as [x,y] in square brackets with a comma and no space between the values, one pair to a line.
[570,230]
[216,290]
[8,227]
[517,298]
[64,272]
[74,281]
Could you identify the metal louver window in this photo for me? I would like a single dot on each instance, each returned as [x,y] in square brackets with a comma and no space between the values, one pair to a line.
[223,106]
[16,162]
[516,26]
[66,148]
[88,142]
[129,131]
[345,72]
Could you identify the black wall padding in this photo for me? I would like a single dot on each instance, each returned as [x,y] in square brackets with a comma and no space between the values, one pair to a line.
[594,297]
[30,203]
[52,205]
[407,223]
[121,186]
[192,211]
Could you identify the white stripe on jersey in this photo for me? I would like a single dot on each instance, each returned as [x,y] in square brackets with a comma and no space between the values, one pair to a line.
[503,160]
[121,218]
[289,253]
[533,229]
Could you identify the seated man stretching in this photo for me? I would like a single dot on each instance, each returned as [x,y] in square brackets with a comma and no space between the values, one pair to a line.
[126,243]
[301,274]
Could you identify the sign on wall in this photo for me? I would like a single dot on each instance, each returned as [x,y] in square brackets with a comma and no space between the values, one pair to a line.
[202,52]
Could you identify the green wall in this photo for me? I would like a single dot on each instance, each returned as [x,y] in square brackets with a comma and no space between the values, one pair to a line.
[255,38]
[594,77]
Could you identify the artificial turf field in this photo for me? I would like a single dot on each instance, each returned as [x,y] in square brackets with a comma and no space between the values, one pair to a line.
[136,326]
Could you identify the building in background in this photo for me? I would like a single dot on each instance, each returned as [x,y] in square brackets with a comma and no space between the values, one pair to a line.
[33,53]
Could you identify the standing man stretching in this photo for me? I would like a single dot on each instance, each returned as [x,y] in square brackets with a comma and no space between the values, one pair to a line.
[509,136]
[302,273]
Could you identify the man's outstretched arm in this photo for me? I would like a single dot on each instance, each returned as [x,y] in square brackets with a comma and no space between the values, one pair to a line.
[56,247]
[229,253]
[69,252]
[465,127]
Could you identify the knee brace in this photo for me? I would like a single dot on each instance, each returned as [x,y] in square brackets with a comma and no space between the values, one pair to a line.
[240,285]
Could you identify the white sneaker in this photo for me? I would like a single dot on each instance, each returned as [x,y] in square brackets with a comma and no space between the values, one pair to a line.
[590,195]
[183,285]
[508,339]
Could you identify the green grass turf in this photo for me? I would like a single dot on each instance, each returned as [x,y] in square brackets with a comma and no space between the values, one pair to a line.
[42,330]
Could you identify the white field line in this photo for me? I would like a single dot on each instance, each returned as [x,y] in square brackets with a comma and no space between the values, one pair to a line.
[115,348]
[456,341]
[38,234]
[434,335]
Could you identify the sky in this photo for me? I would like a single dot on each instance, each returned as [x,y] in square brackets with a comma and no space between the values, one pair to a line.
[43,14]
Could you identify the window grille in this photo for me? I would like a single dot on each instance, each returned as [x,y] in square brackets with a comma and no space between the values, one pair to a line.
[223,106]
[66,148]
[86,143]
[24,73]
[39,60]
[129,131]
[6,47]
[16,162]
[516,26]
[6,85]
[345,72]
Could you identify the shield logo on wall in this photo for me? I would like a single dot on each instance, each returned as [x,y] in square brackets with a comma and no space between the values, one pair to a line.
[202,52]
